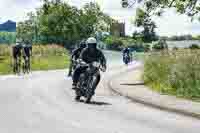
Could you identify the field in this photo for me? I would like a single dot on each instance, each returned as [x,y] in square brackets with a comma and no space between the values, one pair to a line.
[175,73]
[46,57]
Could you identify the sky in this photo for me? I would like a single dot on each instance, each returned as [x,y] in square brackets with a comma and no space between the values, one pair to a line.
[169,24]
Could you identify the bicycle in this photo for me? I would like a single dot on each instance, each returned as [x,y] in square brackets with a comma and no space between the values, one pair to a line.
[26,65]
[17,64]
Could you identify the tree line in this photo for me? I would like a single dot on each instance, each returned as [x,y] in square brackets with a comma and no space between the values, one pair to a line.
[58,22]
[7,37]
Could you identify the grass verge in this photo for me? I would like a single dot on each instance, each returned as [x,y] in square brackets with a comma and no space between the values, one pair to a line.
[5,65]
[174,73]
[37,63]
[49,62]
[48,57]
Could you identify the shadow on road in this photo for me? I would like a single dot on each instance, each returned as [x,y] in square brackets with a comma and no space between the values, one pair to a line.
[132,84]
[96,103]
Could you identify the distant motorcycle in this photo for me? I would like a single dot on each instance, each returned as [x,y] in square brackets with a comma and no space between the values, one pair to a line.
[86,84]
[126,59]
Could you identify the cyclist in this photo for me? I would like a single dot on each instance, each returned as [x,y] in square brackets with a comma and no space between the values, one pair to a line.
[27,52]
[16,52]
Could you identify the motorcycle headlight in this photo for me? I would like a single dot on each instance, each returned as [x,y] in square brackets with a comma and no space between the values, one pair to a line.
[96,64]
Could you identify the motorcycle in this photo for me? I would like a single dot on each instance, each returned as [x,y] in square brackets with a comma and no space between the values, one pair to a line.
[126,59]
[86,84]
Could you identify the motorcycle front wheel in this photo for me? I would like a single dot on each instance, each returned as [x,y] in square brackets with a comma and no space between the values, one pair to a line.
[78,91]
[77,98]
[90,90]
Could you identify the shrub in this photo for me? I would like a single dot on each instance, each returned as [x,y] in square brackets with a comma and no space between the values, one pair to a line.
[175,48]
[194,46]
[160,45]
[46,50]
[38,50]
[7,37]
[5,50]
[114,43]
[147,48]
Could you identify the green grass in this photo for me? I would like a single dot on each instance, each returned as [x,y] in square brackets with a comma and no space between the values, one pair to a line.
[48,57]
[37,63]
[5,65]
[175,73]
[49,62]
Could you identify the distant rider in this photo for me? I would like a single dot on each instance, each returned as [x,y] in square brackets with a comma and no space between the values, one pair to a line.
[89,55]
[128,52]
[75,55]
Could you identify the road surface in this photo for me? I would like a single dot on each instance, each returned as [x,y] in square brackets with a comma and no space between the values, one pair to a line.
[44,103]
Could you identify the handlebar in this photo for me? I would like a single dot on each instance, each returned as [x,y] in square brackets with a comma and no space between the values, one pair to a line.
[82,63]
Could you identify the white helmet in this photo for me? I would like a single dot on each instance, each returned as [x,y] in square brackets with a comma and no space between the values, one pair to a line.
[91,40]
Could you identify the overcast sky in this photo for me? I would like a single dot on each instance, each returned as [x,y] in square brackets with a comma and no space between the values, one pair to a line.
[170,24]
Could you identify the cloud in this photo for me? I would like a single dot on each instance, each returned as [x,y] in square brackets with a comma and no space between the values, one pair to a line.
[16,9]
[170,24]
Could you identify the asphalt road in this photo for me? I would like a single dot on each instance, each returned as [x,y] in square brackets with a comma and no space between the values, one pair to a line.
[43,102]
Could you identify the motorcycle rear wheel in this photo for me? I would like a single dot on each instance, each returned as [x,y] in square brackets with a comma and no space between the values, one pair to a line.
[88,99]
[77,98]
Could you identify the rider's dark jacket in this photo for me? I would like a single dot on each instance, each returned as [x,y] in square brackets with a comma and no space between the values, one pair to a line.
[126,51]
[90,56]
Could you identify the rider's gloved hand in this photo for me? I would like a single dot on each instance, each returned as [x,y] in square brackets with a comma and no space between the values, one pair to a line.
[104,68]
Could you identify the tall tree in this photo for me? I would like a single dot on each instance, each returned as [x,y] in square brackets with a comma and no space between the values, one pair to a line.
[189,7]
[58,22]
[144,20]
[26,29]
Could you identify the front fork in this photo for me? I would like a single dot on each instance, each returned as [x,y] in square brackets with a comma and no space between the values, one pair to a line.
[92,84]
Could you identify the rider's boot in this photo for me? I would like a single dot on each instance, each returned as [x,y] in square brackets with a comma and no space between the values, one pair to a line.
[74,86]
[69,74]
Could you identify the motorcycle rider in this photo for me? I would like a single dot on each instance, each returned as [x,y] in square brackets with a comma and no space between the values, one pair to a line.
[126,51]
[75,55]
[89,55]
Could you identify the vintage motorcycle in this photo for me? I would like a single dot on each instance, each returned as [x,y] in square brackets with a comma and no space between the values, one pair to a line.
[86,84]
[126,59]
